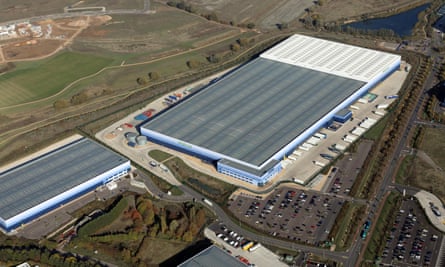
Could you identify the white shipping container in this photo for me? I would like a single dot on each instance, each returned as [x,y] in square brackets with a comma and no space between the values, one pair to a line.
[358,131]
[318,163]
[313,141]
[320,135]
[297,153]
[371,120]
[348,140]
[354,107]
[379,113]
[365,125]
[382,106]
[303,148]
[307,145]
[339,147]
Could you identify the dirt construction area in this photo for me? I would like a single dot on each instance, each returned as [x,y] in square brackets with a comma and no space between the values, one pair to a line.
[36,40]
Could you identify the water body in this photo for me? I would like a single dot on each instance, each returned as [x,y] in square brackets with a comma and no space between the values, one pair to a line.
[402,24]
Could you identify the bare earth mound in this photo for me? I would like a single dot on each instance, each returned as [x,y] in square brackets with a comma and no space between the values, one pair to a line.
[30,49]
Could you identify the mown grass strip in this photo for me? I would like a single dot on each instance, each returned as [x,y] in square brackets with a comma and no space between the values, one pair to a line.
[159,155]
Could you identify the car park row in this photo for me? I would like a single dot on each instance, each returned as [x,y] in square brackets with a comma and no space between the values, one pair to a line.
[291,214]
[411,240]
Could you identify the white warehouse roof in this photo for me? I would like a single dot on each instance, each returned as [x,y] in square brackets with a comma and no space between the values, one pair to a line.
[343,60]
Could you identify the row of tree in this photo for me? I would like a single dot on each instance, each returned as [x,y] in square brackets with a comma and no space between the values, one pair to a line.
[352,216]
[396,127]
[163,222]
[418,137]
[151,76]
[77,99]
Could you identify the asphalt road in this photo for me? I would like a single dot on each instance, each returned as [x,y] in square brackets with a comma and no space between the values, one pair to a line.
[387,180]
[223,217]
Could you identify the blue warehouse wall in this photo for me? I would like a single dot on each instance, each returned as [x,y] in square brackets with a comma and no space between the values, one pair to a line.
[210,156]
[188,148]
[249,177]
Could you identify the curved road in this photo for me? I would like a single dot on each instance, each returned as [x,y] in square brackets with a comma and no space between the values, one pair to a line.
[190,194]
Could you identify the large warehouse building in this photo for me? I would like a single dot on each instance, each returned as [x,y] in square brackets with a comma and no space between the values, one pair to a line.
[250,119]
[46,182]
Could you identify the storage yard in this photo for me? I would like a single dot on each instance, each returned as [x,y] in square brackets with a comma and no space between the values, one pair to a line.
[302,216]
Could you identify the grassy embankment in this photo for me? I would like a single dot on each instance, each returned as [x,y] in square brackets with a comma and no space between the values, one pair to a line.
[214,189]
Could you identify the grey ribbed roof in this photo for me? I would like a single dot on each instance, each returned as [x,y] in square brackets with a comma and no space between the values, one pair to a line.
[212,257]
[255,111]
[38,180]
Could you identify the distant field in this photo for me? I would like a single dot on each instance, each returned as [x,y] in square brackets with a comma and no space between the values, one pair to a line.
[124,78]
[423,174]
[263,13]
[166,30]
[334,10]
[46,77]
[434,145]
[22,9]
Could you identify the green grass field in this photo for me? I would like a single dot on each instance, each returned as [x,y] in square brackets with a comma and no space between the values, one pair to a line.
[404,169]
[124,78]
[159,155]
[47,77]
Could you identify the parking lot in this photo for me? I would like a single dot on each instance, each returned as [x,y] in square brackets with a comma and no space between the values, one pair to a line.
[303,216]
[412,240]
[344,173]
[252,255]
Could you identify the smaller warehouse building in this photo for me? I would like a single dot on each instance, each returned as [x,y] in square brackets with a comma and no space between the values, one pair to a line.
[343,115]
[44,183]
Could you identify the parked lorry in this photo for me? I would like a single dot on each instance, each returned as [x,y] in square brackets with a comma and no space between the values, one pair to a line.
[318,163]
[208,202]
[376,112]
[382,106]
